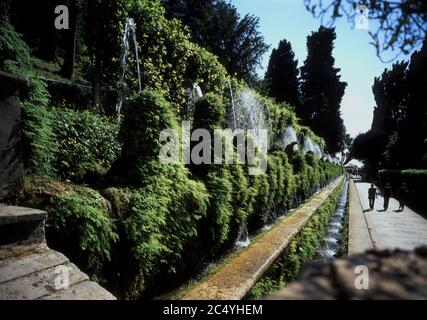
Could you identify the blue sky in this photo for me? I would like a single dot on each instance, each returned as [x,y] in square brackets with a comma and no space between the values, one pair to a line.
[288,19]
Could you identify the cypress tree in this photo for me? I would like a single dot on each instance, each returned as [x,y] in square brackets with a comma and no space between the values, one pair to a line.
[282,75]
[322,90]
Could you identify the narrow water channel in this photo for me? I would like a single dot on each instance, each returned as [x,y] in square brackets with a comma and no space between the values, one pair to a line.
[331,247]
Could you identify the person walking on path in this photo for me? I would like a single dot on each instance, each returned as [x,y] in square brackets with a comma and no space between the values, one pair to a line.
[386,195]
[372,195]
[403,192]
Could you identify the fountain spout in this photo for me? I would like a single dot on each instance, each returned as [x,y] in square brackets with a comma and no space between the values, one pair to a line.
[233,108]
[130,28]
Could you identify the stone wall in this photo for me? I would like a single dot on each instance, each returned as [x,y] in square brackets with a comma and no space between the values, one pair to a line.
[11,162]
[374,275]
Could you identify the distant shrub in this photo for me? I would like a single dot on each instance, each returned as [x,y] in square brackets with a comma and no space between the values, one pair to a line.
[393,177]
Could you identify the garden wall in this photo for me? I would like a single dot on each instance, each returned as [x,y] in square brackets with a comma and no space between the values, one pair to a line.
[11,162]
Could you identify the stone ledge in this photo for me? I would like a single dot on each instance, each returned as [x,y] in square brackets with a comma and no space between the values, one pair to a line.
[31,272]
[9,84]
[12,214]
[19,225]
[359,239]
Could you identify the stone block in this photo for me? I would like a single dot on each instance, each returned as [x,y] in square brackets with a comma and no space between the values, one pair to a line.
[11,161]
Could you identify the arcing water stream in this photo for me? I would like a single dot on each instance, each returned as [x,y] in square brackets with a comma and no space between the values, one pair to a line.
[130,29]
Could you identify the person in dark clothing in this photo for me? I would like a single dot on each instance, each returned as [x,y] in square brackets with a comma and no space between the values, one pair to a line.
[386,195]
[403,192]
[372,194]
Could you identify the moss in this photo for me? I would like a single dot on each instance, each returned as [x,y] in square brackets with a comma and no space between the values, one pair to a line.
[119,199]
[240,197]
[80,218]
[261,209]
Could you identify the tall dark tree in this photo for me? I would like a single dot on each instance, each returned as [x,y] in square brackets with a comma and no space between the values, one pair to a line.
[322,90]
[365,148]
[70,40]
[49,34]
[40,32]
[398,136]
[35,20]
[104,18]
[217,26]
[282,75]
[413,130]
[390,94]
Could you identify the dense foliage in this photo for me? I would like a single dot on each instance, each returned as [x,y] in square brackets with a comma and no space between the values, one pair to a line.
[87,144]
[79,222]
[12,47]
[397,139]
[217,26]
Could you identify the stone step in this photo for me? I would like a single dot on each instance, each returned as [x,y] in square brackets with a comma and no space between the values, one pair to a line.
[21,225]
[41,283]
[87,290]
[29,262]
[13,214]
[14,250]
[29,270]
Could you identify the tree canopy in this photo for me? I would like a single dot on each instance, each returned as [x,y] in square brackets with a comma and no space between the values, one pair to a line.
[217,26]
[398,135]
